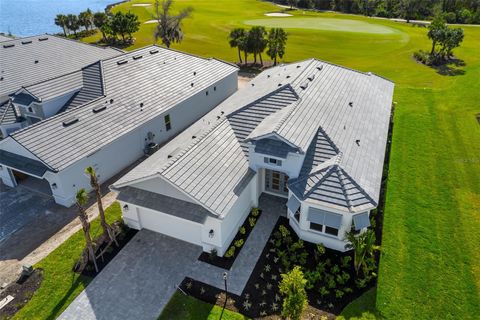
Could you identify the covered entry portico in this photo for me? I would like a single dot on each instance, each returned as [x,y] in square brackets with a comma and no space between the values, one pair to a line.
[276,182]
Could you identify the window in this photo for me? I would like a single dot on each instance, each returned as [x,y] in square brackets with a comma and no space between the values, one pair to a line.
[214,88]
[206,93]
[272,161]
[168,124]
[30,109]
[332,231]
[316,226]
[297,215]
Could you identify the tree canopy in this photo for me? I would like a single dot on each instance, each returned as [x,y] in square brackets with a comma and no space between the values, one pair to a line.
[169,27]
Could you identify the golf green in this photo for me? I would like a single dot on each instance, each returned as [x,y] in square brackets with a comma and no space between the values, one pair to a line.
[329,24]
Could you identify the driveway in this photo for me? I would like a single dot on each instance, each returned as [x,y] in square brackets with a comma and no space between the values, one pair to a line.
[139,282]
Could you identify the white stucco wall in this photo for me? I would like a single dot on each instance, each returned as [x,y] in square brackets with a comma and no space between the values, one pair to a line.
[52,106]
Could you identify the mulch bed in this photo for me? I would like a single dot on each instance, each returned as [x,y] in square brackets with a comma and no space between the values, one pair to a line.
[22,291]
[261,297]
[123,238]
[227,262]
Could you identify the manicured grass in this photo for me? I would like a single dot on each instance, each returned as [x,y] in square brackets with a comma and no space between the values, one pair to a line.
[182,307]
[362,308]
[60,284]
[430,264]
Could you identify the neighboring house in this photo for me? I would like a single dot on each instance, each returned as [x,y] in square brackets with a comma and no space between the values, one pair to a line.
[121,108]
[310,132]
[28,66]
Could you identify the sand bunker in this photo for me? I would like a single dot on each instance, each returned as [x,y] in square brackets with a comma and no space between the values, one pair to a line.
[151,21]
[141,5]
[277,14]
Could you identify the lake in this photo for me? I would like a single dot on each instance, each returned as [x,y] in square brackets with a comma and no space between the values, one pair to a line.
[31,17]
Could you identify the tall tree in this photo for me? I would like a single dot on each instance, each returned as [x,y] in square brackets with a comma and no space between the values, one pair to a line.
[169,27]
[82,198]
[237,37]
[108,231]
[85,19]
[73,23]
[132,23]
[124,24]
[277,39]
[436,31]
[61,21]
[99,20]
[257,42]
[292,3]
[292,287]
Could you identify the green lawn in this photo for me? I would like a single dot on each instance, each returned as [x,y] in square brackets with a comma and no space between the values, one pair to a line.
[60,284]
[430,265]
[181,307]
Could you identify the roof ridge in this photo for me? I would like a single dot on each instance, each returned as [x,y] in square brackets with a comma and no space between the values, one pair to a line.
[345,173]
[347,197]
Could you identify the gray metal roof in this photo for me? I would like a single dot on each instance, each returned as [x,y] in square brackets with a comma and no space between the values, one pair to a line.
[155,201]
[8,114]
[31,60]
[22,163]
[338,170]
[156,77]
[56,87]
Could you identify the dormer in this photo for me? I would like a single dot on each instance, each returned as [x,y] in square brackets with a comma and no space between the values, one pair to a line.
[273,152]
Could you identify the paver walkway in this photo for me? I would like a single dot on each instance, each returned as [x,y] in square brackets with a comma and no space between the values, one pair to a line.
[140,280]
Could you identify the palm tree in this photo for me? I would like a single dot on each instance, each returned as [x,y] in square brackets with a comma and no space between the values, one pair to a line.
[277,38]
[108,231]
[100,19]
[237,38]
[257,42]
[61,21]
[363,246]
[85,19]
[82,198]
[73,24]
[169,27]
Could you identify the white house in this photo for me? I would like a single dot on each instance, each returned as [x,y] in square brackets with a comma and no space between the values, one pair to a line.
[121,108]
[310,132]
[27,63]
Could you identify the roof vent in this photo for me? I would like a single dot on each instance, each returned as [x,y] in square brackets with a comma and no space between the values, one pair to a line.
[357,142]
[304,86]
[298,66]
[253,84]
[43,39]
[350,103]
[153,51]
[279,84]
[268,76]
[97,109]
[8,45]
[36,61]
[218,117]
[320,67]
[70,121]
[137,57]
[192,84]
[27,42]
[120,62]
[311,77]
[1,78]
[222,112]
[194,73]
[111,101]
[288,77]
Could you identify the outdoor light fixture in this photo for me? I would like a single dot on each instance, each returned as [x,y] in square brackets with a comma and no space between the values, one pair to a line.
[225,274]
[211,233]
[125,207]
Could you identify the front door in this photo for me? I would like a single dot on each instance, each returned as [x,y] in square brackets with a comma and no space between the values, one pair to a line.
[276,182]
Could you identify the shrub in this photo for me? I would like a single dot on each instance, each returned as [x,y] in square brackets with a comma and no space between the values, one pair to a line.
[324,291]
[230,252]
[252,221]
[242,230]
[255,212]
[284,231]
[339,293]
[292,288]
[320,248]
[239,243]
[423,57]
[451,17]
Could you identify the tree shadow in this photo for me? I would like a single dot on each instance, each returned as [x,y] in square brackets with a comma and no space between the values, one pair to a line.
[453,67]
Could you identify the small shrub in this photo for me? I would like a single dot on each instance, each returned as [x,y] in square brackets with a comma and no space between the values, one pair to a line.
[239,243]
[284,231]
[324,291]
[252,221]
[346,261]
[230,252]
[213,254]
[339,294]
[242,230]
[292,288]
[320,248]
[335,269]
[255,212]
[423,57]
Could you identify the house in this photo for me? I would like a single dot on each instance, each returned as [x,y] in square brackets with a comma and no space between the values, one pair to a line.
[122,108]
[310,132]
[27,63]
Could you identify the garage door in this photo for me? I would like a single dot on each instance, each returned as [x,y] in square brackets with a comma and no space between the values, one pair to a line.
[169,225]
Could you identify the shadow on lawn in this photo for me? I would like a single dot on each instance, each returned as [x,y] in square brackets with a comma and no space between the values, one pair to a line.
[67,298]
[454,67]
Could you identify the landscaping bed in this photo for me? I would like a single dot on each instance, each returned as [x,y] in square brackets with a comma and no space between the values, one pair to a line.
[237,244]
[332,281]
[21,291]
[123,238]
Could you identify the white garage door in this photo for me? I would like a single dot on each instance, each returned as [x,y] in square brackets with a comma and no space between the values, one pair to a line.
[171,226]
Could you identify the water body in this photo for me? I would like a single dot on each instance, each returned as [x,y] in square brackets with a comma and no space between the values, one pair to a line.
[31,17]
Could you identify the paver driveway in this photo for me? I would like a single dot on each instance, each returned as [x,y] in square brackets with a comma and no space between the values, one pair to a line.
[138,283]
